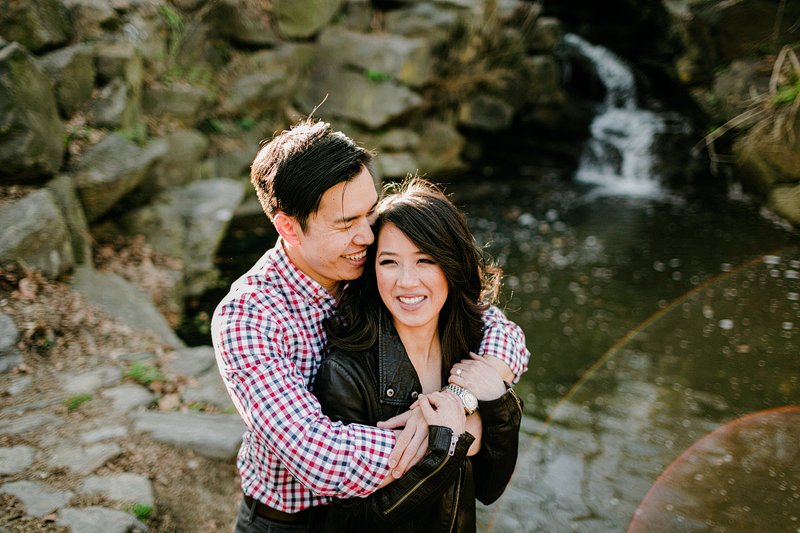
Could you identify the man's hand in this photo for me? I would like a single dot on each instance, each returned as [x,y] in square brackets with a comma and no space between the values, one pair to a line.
[411,443]
[501,367]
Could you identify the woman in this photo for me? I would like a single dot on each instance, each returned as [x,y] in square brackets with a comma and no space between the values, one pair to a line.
[402,332]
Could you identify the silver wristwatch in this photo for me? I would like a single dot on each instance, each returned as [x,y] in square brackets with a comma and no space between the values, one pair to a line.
[467,398]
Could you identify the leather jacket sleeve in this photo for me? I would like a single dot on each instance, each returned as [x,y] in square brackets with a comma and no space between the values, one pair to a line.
[345,397]
[493,465]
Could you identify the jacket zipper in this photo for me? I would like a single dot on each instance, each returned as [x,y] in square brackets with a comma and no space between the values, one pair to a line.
[417,486]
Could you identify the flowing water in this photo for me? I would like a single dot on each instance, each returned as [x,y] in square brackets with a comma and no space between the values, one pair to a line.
[664,331]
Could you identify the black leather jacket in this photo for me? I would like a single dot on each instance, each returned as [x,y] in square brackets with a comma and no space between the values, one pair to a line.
[437,494]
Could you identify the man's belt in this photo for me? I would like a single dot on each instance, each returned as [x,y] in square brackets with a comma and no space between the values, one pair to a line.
[269,513]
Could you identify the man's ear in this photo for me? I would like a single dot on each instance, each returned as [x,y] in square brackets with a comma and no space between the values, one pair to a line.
[288,228]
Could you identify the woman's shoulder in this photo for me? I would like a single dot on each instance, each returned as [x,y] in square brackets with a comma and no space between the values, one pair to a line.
[349,360]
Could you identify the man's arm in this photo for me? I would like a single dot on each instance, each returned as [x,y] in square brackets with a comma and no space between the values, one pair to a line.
[504,345]
[269,393]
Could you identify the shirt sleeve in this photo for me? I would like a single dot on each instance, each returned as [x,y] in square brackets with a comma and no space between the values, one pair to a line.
[505,340]
[254,355]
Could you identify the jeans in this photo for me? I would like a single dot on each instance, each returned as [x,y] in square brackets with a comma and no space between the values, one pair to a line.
[249,522]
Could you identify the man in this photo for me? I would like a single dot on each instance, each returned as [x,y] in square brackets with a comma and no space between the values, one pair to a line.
[315,186]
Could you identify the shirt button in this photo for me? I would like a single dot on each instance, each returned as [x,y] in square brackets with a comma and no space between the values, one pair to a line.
[389,392]
[414,395]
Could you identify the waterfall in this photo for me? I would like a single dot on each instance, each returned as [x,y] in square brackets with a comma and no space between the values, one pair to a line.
[618,156]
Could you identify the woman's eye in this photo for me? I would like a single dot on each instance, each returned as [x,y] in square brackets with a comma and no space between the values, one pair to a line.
[427,261]
[386,262]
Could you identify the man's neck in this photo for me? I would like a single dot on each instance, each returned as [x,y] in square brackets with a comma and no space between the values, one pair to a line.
[335,288]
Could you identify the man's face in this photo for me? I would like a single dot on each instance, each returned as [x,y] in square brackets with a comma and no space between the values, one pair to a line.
[334,245]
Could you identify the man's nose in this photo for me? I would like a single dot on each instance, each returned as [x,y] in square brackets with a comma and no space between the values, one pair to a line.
[363,233]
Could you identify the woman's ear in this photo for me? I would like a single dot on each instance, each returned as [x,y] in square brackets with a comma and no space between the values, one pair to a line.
[288,228]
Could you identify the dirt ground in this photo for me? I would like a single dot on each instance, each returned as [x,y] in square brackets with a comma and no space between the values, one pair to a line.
[60,332]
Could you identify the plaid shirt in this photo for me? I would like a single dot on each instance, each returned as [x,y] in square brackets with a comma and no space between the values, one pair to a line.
[268,338]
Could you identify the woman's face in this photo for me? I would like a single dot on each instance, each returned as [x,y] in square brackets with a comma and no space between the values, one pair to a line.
[412,286]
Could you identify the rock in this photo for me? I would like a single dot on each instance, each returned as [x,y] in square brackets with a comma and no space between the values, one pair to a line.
[83,459]
[128,396]
[115,107]
[123,301]
[108,171]
[398,139]
[357,15]
[72,71]
[125,487]
[119,59]
[99,520]
[211,435]
[18,385]
[396,165]
[35,25]
[407,60]
[486,112]
[15,459]
[192,361]
[353,96]
[427,20]
[439,149]
[31,134]
[93,436]
[299,19]
[208,389]
[253,94]
[766,157]
[89,18]
[179,101]
[189,222]
[34,231]
[24,424]
[147,30]
[183,152]
[63,189]
[9,355]
[785,201]
[246,23]
[38,499]
[88,381]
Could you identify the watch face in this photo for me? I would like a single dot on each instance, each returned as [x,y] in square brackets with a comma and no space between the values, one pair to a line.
[470,401]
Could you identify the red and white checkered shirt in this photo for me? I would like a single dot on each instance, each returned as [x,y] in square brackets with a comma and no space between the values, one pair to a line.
[268,338]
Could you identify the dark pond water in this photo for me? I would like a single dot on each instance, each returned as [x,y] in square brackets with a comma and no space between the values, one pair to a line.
[664,386]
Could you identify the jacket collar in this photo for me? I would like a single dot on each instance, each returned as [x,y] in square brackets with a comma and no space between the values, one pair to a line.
[397,379]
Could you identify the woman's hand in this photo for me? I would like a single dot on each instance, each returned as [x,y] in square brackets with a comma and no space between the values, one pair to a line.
[443,408]
[479,377]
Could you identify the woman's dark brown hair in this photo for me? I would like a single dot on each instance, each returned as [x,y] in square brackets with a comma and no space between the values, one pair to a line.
[430,220]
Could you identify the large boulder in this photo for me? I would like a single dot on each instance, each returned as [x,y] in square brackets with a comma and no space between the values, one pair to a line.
[355,97]
[117,107]
[72,71]
[63,189]
[90,18]
[180,162]
[31,134]
[768,155]
[109,170]
[246,22]
[36,25]
[179,102]
[35,232]
[408,60]
[300,19]
[440,148]
[123,301]
[189,223]
[785,200]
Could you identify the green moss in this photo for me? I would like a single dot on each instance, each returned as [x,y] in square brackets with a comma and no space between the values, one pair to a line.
[142,511]
[76,401]
[144,373]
